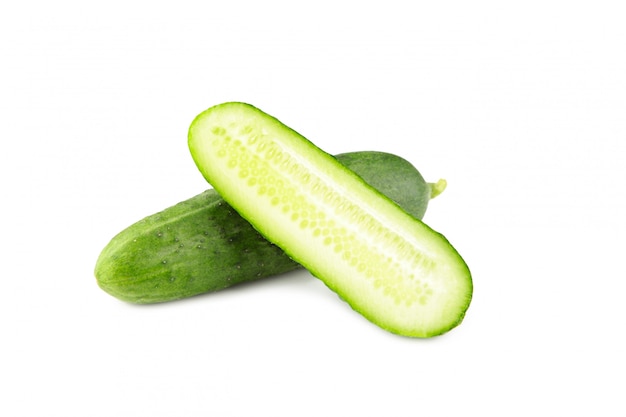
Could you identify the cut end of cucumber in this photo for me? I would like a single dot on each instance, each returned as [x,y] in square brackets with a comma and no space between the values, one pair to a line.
[389,266]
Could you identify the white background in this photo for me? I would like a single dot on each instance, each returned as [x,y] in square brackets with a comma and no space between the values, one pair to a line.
[521,106]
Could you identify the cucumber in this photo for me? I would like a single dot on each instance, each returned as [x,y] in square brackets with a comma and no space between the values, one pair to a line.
[387,265]
[202,245]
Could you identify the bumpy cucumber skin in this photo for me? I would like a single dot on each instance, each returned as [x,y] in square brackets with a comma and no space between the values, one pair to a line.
[202,245]
[230,141]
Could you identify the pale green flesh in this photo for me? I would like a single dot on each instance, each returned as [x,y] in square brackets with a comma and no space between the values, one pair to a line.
[389,266]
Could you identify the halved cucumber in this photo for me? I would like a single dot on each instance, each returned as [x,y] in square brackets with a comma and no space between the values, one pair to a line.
[387,265]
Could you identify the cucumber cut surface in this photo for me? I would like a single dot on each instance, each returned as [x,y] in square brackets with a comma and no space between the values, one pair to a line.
[387,265]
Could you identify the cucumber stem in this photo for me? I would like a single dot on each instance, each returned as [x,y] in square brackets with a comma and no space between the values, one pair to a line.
[437,188]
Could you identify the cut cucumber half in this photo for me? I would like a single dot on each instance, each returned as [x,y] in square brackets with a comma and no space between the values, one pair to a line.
[387,265]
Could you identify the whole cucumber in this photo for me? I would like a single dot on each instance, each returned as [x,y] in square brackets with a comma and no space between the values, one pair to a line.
[203,245]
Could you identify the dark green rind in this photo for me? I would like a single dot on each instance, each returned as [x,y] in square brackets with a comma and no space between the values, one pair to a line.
[202,245]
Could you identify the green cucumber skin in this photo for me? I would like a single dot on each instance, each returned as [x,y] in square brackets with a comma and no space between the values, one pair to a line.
[388,266]
[202,245]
